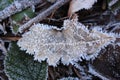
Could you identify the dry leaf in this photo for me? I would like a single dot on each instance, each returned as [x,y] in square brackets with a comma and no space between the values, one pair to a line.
[67,44]
[76,5]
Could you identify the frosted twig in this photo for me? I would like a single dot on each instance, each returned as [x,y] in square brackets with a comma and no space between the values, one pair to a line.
[17,6]
[94,72]
[2,47]
[42,15]
[111,3]
[2,28]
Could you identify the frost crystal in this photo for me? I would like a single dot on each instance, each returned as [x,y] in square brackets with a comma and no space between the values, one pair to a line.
[67,44]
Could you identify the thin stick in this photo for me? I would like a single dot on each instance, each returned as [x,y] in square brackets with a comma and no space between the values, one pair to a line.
[11,38]
[43,15]
[17,6]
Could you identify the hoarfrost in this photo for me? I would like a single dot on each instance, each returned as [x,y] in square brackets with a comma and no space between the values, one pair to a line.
[70,78]
[67,44]
[52,1]
[18,5]
[112,2]
[93,71]
[83,72]
[2,28]
[2,47]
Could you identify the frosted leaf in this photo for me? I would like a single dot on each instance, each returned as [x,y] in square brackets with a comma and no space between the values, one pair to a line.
[67,44]
[76,5]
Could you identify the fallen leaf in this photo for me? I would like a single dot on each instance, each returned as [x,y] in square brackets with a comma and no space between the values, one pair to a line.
[69,44]
[76,5]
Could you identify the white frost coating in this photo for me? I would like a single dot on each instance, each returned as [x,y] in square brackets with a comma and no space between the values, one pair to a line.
[69,78]
[17,4]
[2,47]
[52,1]
[82,71]
[77,5]
[2,28]
[92,71]
[67,44]
[112,2]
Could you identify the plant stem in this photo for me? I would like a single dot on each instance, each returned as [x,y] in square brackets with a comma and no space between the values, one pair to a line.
[17,6]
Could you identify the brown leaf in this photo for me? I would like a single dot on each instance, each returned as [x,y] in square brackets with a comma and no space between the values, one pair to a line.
[67,44]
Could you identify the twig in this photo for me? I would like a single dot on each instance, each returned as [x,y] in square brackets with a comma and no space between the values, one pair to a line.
[11,38]
[43,15]
[77,72]
[2,28]
[2,47]
[17,6]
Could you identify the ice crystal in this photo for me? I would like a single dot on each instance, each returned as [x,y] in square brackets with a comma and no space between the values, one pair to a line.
[68,44]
